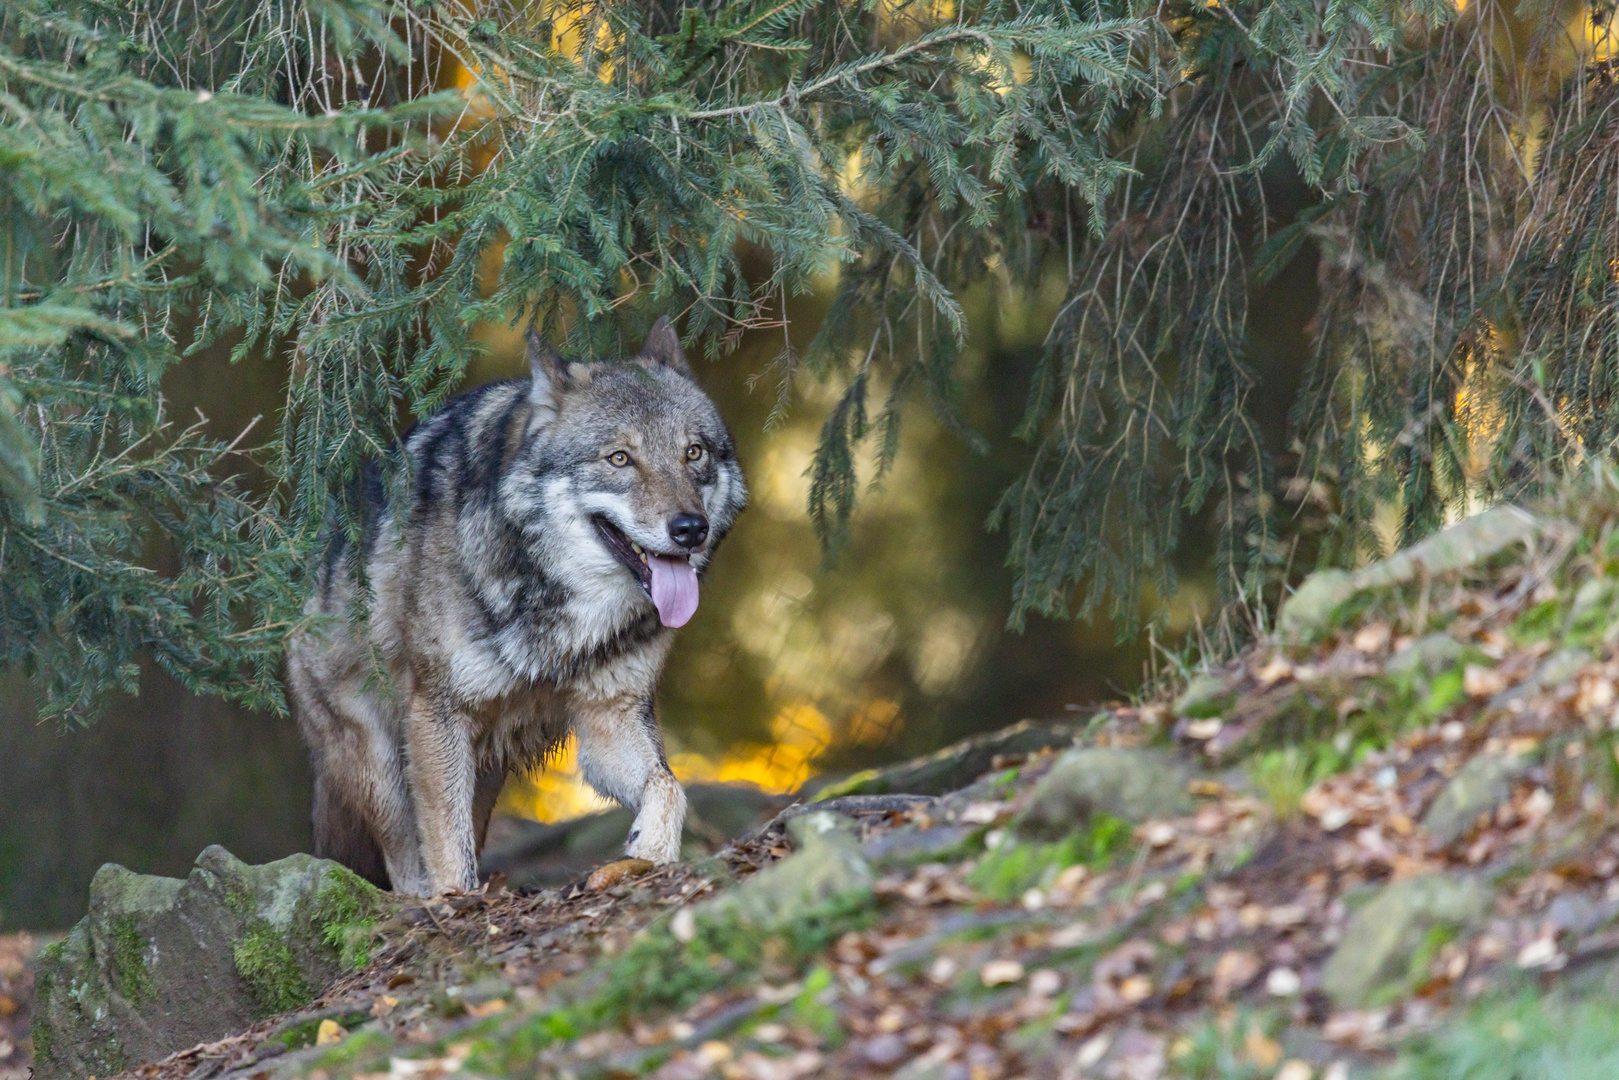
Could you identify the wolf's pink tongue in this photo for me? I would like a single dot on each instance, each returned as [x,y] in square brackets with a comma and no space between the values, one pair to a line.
[674,589]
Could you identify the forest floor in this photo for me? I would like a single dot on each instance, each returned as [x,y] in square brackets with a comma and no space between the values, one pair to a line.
[1381,843]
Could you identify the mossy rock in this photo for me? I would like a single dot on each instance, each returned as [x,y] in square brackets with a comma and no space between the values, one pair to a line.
[1131,784]
[1315,605]
[160,964]
[1388,943]
[825,868]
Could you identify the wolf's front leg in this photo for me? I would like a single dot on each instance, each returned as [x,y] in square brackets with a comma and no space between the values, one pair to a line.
[442,781]
[621,756]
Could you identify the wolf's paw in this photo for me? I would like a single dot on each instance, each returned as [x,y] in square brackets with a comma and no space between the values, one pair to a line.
[616,873]
[647,845]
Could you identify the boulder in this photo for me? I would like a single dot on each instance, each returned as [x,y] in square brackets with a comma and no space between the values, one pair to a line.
[160,964]
[1427,656]
[1559,667]
[1311,608]
[1390,931]
[826,866]
[1478,787]
[1207,694]
[1134,784]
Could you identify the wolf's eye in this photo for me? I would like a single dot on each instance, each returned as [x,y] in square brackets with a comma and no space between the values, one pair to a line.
[618,459]
[694,451]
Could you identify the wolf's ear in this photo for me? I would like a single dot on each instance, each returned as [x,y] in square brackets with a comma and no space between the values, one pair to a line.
[663,346]
[552,377]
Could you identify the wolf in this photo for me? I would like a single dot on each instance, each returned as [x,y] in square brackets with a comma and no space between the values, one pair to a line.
[552,539]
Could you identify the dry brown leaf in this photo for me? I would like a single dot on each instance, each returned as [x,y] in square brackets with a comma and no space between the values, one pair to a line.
[616,873]
[1234,970]
[1260,1048]
[1482,682]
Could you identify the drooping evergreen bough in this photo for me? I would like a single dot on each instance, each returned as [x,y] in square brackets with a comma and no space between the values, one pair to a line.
[353,185]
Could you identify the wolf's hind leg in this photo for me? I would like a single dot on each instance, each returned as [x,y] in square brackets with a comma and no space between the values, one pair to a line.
[485,793]
[362,812]
[341,834]
[621,756]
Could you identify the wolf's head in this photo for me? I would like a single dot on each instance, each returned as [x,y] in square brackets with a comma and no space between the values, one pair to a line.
[636,465]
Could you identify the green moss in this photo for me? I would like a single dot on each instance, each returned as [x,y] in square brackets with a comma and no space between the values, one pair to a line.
[1538,623]
[1531,1038]
[1425,954]
[657,972]
[346,916]
[356,1047]
[129,960]
[44,1048]
[111,1057]
[265,962]
[868,782]
[813,1009]
[1445,690]
[1217,1050]
[1018,865]
[303,1034]
[50,962]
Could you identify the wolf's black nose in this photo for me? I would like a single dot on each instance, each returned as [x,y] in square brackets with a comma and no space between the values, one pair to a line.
[688,530]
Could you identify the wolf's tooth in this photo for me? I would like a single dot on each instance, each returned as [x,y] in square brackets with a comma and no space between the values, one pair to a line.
[635,547]
[643,556]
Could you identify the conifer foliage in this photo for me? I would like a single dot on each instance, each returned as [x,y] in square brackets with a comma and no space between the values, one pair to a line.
[356,184]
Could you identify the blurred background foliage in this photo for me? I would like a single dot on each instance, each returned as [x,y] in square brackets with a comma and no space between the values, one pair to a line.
[1183,299]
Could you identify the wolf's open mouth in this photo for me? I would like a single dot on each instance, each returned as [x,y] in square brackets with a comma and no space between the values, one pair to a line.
[669,580]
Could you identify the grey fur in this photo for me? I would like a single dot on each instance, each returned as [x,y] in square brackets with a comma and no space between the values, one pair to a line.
[501,619]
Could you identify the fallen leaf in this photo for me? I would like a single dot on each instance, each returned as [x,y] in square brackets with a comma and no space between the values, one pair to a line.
[487,1008]
[1234,970]
[384,1005]
[616,873]
[981,813]
[1482,681]
[1283,982]
[1541,953]
[1093,1050]
[1157,833]
[1072,935]
[1274,672]
[1045,982]
[328,1032]
[1135,989]
[1372,638]
[1000,972]
[1260,1048]
[1538,804]
[713,1052]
